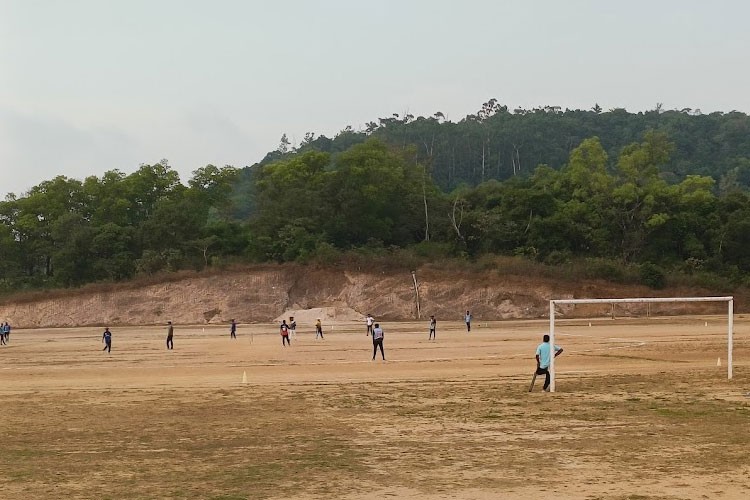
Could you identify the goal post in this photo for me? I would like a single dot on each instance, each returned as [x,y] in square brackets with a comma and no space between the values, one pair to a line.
[552,303]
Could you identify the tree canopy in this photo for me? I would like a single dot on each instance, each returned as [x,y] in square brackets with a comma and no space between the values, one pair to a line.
[660,188]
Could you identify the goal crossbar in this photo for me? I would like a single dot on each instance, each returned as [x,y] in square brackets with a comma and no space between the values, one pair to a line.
[730,321]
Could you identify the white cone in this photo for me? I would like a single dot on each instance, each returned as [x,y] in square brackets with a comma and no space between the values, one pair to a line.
[718,362]
[244,377]
[706,323]
[589,323]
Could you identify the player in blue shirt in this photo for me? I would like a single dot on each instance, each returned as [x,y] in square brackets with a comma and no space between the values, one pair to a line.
[543,360]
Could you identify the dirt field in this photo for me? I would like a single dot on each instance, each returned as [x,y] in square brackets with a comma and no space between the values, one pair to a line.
[642,412]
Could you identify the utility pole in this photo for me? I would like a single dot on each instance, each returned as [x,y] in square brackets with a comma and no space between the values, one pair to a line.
[416,293]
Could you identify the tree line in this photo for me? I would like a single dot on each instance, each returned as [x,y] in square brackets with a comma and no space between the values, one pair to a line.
[421,184]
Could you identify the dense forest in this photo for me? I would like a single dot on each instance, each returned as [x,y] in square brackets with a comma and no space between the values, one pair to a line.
[662,191]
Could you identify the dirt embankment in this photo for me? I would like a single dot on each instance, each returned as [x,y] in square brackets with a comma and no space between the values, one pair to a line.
[270,292]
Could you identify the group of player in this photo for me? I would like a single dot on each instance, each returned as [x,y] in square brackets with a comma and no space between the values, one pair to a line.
[288,330]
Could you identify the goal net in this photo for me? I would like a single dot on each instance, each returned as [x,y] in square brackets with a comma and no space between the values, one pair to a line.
[554,303]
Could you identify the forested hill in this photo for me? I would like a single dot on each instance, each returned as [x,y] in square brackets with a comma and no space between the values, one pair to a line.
[498,143]
[650,197]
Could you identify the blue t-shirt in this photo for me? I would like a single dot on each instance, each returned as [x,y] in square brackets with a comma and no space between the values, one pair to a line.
[542,351]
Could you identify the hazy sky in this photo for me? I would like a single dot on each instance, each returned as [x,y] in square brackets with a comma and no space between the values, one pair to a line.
[88,86]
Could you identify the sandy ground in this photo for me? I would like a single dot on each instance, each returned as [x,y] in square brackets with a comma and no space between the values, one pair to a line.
[642,411]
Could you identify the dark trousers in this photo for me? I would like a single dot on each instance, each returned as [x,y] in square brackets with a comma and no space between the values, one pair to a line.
[170,343]
[318,331]
[432,335]
[545,372]
[233,335]
[468,326]
[375,344]
[107,347]
[369,330]
[285,340]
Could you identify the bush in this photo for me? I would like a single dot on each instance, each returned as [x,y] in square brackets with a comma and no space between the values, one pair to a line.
[557,257]
[605,270]
[653,276]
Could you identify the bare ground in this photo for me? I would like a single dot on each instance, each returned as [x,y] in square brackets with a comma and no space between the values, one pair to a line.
[267,292]
[642,412]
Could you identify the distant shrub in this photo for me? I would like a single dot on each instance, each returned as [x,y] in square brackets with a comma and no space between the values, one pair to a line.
[653,276]
[604,269]
[557,257]
[432,250]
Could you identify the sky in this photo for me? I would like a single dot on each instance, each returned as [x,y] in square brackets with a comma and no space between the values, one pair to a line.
[88,86]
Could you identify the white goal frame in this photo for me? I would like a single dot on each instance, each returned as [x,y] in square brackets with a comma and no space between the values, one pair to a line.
[730,321]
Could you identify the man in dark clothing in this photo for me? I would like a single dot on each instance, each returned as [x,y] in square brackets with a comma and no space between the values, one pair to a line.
[170,334]
[284,329]
[233,330]
[433,327]
[107,339]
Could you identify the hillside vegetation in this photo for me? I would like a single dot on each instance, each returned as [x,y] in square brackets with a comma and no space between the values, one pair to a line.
[655,198]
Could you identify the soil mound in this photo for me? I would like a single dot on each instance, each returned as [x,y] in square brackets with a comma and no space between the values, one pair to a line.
[305,317]
[275,292]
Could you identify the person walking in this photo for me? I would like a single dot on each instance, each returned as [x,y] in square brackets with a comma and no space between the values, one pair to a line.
[369,320]
[543,360]
[377,341]
[467,319]
[6,332]
[170,334]
[318,329]
[284,330]
[433,327]
[2,333]
[233,330]
[107,339]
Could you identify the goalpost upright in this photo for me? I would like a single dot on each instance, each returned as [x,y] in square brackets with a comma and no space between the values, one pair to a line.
[730,321]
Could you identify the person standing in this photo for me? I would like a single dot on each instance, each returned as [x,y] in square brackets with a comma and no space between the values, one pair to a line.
[318,329]
[369,320]
[2,333]
[377,341]
[433,327]
[284,330]
[543,360]
[293,327]
[6,332]
[233,330]
[170,334]
[107,339]
[467,319]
